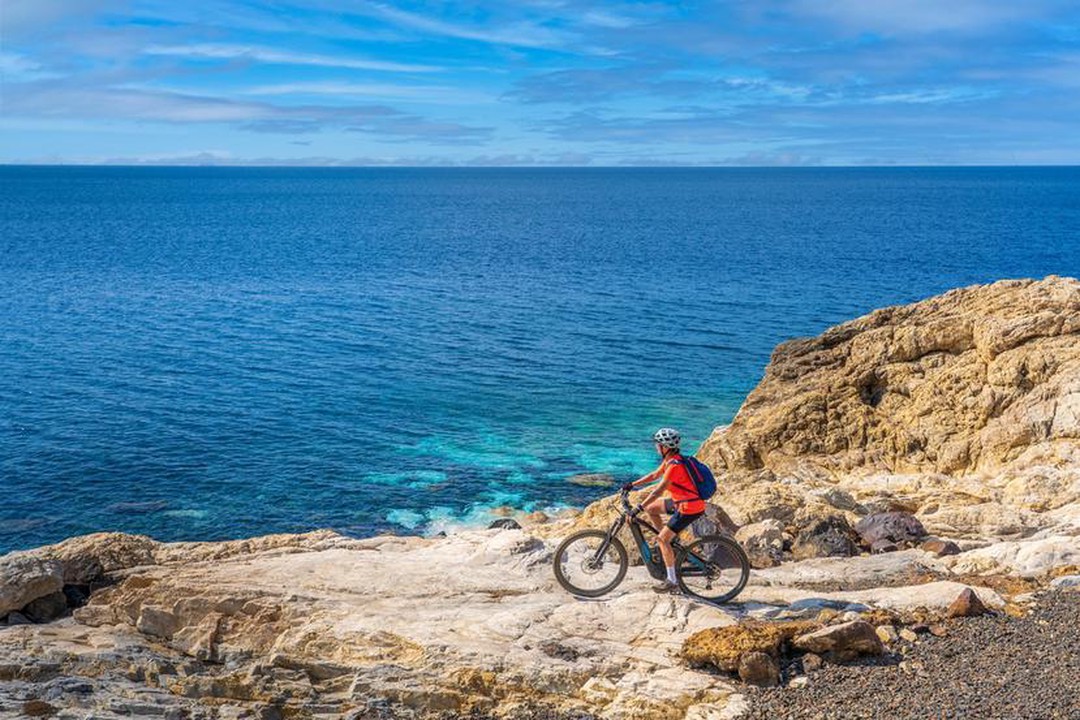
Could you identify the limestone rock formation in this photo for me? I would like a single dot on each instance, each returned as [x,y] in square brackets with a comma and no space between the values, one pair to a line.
[763,542]
[24,578]
[963,409]
[724,647]
[320,626]
[844,641]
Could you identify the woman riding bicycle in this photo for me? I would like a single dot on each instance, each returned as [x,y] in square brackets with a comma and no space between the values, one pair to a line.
[683,503]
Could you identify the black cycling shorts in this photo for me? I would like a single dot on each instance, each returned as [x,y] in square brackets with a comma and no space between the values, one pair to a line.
[678,521]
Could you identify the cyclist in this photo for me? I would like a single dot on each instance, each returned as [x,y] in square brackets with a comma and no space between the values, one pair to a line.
[683,503]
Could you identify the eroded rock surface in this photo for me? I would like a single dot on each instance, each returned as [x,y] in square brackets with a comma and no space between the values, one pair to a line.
[963,409]
[320,626]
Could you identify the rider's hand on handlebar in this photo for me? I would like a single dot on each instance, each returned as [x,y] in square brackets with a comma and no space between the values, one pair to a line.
[628,487]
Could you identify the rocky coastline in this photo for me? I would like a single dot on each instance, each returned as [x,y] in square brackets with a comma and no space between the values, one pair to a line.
[907,486]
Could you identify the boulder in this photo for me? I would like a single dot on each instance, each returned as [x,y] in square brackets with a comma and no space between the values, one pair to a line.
[724,647]
[89,557]
[825,537]
[47,608]
[763,542]
[536,517]
[505,524]
[967,604]
[715,522]
[940,548]
[839,499]
[25,577]
[883,546]
[759,668]
[1029,558]
[601,480]
[843,642]
[895,528]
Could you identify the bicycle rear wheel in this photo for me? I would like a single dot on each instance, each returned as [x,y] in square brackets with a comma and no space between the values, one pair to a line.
[713,568]
[583,570]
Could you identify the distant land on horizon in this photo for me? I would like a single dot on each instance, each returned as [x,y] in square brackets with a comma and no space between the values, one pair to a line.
[464,166]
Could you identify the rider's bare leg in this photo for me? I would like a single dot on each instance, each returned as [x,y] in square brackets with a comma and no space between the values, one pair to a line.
[653,510]
[665,538]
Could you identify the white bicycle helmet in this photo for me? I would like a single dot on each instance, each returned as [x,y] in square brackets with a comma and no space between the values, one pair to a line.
[668,438]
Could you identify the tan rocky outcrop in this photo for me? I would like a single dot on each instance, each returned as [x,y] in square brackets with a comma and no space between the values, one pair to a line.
[963,408]
[843,641]
[724,647]
[320,626]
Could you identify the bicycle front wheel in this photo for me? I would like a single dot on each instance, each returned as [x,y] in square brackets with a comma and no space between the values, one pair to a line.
[582,569]
[713,568]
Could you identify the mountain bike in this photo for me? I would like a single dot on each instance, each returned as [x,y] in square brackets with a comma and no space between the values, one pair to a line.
[592,563]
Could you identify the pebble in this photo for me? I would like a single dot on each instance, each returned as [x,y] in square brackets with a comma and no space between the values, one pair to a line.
[886,633]
[991,666]
[908,635]
[812,662]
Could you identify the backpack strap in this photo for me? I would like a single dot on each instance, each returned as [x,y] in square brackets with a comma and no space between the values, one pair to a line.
[680,460]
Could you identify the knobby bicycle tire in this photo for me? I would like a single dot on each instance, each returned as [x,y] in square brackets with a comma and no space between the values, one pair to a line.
[561,572]
[733,549]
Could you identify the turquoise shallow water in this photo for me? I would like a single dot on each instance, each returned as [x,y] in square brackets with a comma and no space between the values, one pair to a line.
[209,353]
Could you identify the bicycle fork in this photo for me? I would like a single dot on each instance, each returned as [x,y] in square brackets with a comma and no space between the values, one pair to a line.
[616,526]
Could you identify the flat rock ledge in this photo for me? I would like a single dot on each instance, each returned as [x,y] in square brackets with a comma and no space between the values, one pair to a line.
[471,625]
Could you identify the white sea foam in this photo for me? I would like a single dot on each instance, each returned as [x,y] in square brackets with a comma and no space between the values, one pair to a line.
[485,451]
[406,518]
[187,513]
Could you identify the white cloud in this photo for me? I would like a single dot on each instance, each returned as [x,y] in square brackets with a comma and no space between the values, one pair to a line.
[19,68]
[603,19]
[929,96]
[524,34]
[211,51]
[434,94]
[920,16]
[30,17]
[60,100]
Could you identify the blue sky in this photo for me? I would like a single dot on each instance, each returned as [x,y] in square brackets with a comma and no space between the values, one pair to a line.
[541,82]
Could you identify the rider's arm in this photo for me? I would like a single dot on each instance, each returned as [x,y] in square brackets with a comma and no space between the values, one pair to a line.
[657,491]
[665,471]
[646,479]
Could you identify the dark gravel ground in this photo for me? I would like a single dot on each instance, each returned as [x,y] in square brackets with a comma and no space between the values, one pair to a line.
[987,668]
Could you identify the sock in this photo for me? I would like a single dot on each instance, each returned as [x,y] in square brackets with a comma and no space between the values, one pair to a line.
[671,576]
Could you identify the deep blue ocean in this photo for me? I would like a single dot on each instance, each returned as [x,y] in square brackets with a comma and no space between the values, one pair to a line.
[203,353]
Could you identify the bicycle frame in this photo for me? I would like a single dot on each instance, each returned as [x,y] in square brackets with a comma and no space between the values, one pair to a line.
[654,564]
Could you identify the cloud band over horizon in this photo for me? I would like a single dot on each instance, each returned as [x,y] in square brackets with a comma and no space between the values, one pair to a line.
[540,82]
